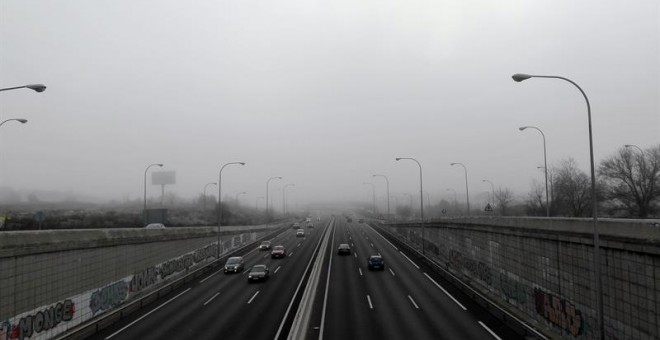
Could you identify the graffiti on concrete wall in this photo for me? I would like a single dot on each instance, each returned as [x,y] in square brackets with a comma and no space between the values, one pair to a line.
[108,296]
[205,253]
[559,312]
[513,289]
[38,322]
[174,266]
[144,279]
[476,269]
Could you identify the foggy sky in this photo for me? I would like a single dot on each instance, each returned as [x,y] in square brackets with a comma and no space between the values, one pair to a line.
[322,93]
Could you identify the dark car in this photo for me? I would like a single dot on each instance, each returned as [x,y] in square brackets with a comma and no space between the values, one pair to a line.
[349,220]
[278,252]
[361,220]
[259,272]
[376,262]
[265,245]
[344,249]
[234,265]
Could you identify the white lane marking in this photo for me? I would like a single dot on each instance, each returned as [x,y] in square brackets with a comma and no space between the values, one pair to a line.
[413,302]
[369,300]
[355,255]
[352,244]
[372,245]
[391,271]
[446,292]
[411,261]
[360,270]
[278,268]
[490,331]
[211,299]
[350,238]
[210,276]
[383,237]
[265,256]
[291,254]
[253,296]
[298,245]
[145,315]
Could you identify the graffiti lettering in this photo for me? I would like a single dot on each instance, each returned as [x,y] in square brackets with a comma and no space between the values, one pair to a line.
[143,279]
[170,267]
[108,297]
[512,289]
[205,253]
[477,269]
[559,312]
[42,320]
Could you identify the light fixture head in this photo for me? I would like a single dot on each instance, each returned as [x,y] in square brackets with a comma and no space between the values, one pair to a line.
[520,77]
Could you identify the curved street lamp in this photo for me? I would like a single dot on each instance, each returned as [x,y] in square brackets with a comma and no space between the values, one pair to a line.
[20,120]
[284,196]
[35,87]
[207,184]
[220,203]
[467,194]
[545,164]
[421,195]
[238,194]
[144,209]
[599,280]
[388,192]
[268,181]
[492,192]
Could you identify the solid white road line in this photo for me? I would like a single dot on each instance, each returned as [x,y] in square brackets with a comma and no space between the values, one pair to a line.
[391,271]
[210,276]
[144,316]
[446,292]
[369,300]
[211,299]
[411,261]
[413,302]
[489,331]
[278,268]
[253,296]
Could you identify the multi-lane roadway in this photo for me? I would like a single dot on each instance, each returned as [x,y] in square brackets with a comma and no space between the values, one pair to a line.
[406,300]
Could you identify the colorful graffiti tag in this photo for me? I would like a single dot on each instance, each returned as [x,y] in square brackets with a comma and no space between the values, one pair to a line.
[559,312]
[40,321]
[108,296]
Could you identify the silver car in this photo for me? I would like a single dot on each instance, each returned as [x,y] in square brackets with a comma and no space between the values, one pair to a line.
[234,264]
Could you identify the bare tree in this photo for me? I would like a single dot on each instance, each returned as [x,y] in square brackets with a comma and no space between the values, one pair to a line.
[572,189]
[503,198]
[534,203]
[632,178]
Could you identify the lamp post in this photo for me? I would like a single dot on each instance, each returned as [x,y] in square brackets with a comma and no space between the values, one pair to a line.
[387,181]
[373,195]
[467,194]
[144,209]
[545,164]
[411,199]
[284,196]
[599,281]
[428,203]
[217,257]
[492,190]
[20,120]
[421,196]
[35,87]
[205,186]
[268,181]
[238,194]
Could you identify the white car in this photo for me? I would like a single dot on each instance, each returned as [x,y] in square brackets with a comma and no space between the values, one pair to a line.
[300,233]
[155,226]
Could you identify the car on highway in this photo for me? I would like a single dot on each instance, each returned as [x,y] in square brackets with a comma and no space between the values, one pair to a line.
[259,272]
[361,220]
[155,226]
[300,233]
[344,249]
[376,262]
[349,220]
[310,225]
[234,264]
[296,225]
[265,245]
[278,252]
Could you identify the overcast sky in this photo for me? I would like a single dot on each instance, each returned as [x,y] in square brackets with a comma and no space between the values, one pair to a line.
[322,93]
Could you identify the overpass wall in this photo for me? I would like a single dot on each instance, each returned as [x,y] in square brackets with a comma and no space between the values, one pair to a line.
[52,281]
[542,270]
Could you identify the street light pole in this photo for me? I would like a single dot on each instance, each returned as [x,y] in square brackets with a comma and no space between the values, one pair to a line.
[599,280]
[421,196]
[467,194]
[35,87]
[545,164]
[144,209]
[205,186]
[492,191]
[387,181]
[268,181]
[284,196]
[217,256]
[238,194]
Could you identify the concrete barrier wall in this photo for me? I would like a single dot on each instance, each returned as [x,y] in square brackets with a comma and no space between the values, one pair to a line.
[51,281]
[542,270]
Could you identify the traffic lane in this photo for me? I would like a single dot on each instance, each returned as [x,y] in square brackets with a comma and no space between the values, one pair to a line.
[185,310]
[437,295]
[347,313]
[259,316]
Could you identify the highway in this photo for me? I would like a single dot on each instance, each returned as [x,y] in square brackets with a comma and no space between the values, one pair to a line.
[406,300]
